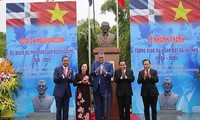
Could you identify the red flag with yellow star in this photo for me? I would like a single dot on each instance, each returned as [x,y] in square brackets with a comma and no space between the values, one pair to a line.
[20,14]
[55,12]
[164,11]
[179,10]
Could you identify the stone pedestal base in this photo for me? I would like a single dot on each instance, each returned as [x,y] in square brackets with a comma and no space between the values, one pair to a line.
[160,112]
[41,116]
[170,114]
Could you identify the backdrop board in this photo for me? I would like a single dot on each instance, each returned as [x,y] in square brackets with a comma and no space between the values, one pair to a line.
[38,35]
[167,32]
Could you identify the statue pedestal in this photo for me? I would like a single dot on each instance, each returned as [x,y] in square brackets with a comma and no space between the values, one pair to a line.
[160,112]
[112,55]
[170,114]
[38,115]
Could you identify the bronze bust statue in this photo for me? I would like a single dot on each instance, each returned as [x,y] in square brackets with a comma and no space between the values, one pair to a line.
[105,39]
[42,102]
[168,99]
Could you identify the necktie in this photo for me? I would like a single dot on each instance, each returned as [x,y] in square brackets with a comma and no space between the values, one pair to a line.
[65,71]
[123,73]
[101,67]
[147,74]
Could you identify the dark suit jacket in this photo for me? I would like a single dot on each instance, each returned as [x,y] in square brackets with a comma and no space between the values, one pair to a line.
[149,85]
[124,85]
[62,84]
[105,80]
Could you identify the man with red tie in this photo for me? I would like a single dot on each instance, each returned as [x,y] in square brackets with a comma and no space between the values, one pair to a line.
[149,92]
[63,76]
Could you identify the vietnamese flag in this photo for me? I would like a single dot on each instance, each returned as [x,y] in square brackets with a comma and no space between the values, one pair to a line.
[40,13]
[55,12]
[179,11]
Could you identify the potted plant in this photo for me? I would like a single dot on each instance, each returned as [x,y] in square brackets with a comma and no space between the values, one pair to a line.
[9,86]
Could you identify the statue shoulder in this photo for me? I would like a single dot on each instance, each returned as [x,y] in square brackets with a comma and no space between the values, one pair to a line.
[175,95]
[111,34]
[99,35]
[49,97]
[161,95]
[34,98]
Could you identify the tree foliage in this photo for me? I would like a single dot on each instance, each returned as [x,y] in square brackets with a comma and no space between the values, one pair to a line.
[2,45]
[83,39]
[124,32]
[124,27]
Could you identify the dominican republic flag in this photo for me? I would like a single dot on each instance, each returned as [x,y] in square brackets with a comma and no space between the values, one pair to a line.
[145,11]
[43,13]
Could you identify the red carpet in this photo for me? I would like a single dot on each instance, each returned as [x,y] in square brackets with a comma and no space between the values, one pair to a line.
[134,117]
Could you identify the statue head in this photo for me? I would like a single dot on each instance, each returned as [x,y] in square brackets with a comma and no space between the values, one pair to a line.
[105,27]
[42,87]
[167,85]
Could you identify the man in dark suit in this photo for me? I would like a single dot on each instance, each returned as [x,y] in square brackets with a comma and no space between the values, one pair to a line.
[149,92]
[63,76]
[102,71]
[123,78]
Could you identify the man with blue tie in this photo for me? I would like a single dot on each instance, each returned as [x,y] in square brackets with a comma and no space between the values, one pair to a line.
[63,76]
[102,71]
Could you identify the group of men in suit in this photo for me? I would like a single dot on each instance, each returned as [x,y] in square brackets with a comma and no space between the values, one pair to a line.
[102,72]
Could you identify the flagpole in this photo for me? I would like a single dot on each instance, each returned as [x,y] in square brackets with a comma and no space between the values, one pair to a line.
[89,39]
[117,26]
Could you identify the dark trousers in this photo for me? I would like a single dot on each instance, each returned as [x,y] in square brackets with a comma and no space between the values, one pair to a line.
[150,101]
[102,103]
[124,103]
[62,105]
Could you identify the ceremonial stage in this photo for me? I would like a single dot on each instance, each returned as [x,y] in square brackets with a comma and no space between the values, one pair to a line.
[186,116]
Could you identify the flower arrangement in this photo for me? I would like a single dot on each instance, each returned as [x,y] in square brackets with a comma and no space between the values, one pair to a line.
[9,86]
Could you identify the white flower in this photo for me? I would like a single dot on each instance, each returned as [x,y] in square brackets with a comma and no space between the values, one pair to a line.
[80,115]
[80,95]
[82,100]
[81,109]
[86,116]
